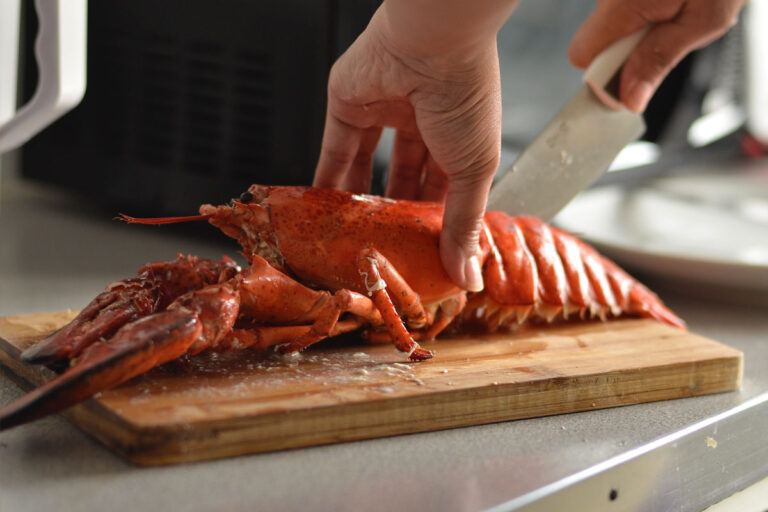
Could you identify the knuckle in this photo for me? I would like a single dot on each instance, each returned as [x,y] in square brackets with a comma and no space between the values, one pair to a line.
[363,160]
[407,172]
[662,60]
[475,168]
[344,111]
[716,17]
[464,230]
[435,185]
[409,136]
[471,157]
[656,60]
[337,83]
[338,157]
[653,11]
[435,175]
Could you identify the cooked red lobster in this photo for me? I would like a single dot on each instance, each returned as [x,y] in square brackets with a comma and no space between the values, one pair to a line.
[324,262]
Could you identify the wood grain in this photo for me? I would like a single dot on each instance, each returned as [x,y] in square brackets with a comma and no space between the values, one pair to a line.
[248,402]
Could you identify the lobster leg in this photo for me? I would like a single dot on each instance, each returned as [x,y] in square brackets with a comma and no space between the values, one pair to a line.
[196,320]
[448,310]
[407,299]
[271,298]
[260,337]
[372,265]
[328,317]
[217,307]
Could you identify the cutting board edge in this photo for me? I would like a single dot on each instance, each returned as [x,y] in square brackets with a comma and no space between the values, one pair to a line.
[171,444]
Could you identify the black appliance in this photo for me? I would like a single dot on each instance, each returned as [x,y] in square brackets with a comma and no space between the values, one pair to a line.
[189,102]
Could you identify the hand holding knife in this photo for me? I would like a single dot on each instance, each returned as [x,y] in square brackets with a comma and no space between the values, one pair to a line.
[577,146]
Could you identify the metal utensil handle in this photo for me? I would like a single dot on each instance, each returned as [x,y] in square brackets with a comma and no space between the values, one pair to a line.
[60,54]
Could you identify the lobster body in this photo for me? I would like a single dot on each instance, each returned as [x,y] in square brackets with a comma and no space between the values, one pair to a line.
[319,234]
[528,266]
[323,262]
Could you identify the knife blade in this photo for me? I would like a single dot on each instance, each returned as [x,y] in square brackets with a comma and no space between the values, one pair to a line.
[577,146]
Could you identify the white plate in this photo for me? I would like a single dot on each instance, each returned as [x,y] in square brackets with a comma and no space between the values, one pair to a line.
[705,227]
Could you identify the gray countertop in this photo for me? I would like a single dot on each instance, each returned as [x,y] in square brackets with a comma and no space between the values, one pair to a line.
[57,252]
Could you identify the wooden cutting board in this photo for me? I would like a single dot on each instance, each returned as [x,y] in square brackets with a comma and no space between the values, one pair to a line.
[247,402]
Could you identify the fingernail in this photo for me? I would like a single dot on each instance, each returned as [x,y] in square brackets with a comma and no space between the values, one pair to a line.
[639,96]
[473,275]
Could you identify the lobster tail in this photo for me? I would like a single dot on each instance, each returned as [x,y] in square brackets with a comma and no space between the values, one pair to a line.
[641,301]
[534,270]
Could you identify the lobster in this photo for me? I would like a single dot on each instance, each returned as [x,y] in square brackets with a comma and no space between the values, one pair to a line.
[320,263]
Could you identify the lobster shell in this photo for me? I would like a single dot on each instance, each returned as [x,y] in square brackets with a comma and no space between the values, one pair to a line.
[323,262]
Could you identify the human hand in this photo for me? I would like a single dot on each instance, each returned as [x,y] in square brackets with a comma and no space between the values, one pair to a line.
[444,100]
[679,27]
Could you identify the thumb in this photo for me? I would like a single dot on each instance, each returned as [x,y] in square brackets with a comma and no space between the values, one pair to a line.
[462,223]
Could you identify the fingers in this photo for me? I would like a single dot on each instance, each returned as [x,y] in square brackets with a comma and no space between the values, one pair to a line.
[337,152]
[346,156]
[358,175]
[413,172]
[353,124]
[664,46]
[464,139]
[613,19]
[406,165]
[680,26]
[435,187]
[462,221]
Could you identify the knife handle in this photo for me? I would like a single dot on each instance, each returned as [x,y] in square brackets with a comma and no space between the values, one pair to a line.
[603,74]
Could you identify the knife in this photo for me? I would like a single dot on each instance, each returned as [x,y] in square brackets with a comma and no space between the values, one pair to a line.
[577,146]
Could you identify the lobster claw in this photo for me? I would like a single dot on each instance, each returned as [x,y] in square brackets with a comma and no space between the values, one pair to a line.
[157,285]
[134,349]
[110,310]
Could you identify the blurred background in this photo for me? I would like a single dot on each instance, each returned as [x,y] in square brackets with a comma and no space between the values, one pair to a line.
[189,102]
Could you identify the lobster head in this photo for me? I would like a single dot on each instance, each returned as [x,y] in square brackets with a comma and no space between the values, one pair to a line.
[317,235]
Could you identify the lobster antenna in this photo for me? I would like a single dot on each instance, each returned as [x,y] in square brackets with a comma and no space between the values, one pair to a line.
[159,220]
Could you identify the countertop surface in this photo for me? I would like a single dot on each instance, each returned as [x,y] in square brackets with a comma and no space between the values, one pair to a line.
[58,252]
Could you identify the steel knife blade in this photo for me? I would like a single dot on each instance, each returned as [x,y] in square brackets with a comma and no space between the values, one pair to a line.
[576,147]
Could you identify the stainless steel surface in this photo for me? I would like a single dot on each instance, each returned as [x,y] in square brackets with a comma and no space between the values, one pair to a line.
[669,473]
[57,253]
[572,151]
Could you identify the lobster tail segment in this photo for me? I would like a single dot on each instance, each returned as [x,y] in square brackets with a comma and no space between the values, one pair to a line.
[636,299]
[555,275]
[645,303]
